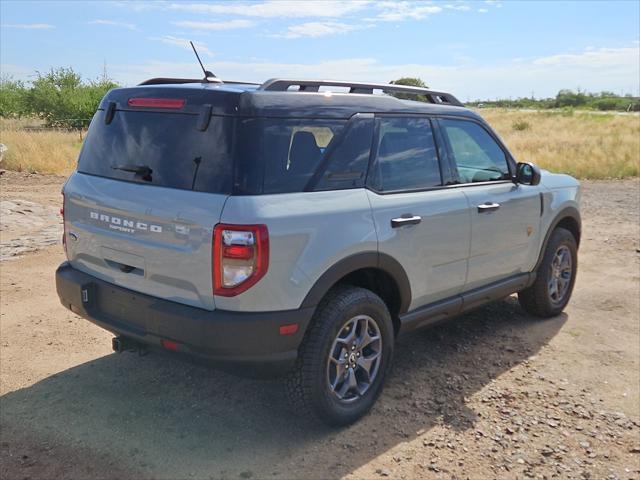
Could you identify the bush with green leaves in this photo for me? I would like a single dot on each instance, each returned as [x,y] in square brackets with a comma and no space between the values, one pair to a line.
[60,97]
[13,102]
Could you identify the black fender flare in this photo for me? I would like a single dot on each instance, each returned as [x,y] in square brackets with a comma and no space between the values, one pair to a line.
[567,212]
[358,261]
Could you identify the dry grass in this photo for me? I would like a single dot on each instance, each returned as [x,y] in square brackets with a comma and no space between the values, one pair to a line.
[43,151]
[584,145]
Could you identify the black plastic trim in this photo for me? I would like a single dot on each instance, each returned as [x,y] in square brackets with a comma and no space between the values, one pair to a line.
[356,262]
[567,212]
[241,338]
[451,307]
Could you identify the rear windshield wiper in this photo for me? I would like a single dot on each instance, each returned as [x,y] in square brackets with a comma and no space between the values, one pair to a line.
[142,170]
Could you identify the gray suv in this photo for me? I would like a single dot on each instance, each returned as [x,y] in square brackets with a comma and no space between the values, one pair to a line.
[299,227]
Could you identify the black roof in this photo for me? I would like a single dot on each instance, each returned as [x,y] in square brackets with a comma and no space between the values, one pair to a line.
[274,98]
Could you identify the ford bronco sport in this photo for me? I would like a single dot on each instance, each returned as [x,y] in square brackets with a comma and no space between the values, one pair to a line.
[301,226]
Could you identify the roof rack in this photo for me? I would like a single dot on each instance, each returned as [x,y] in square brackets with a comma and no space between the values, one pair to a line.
[282,85]
[167,81]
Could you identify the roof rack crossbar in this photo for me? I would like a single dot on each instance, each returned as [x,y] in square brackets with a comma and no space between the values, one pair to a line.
[283,85]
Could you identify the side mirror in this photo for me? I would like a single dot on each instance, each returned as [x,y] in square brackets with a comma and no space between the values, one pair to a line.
[527,173]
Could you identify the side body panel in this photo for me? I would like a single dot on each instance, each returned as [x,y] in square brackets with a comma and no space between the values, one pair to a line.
[308,234]
[502,241]
[434,252]
[560,198]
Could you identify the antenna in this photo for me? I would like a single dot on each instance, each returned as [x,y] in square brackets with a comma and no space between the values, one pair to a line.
[208,76]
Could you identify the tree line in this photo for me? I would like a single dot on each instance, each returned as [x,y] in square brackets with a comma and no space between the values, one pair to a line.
[62,98]
[569,99]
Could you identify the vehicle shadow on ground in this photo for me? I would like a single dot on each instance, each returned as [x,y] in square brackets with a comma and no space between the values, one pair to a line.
[159,418]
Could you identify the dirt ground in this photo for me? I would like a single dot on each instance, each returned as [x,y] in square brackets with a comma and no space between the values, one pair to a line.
[496,394]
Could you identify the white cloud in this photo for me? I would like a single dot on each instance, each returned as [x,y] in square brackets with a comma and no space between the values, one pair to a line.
[141,6]
[184,43]
[318,29]
[462,8]
[501,80]
[593,58]
[229,25]
[112,23]
[482,10]
[277,8]
[392,11]
[16,71]
[28,26]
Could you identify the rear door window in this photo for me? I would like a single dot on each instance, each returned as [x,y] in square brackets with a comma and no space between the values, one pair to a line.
[162,149]
[407,158]
[477,156]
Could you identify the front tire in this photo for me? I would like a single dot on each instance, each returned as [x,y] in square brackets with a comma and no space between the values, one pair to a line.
[555,277]
[344,357]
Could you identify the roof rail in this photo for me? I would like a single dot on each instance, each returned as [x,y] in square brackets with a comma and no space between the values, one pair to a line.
[282,85]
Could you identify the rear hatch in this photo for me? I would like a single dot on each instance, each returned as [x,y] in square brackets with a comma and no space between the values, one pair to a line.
[153,175]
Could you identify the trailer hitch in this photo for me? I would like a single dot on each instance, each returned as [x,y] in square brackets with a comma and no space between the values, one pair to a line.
[124,344]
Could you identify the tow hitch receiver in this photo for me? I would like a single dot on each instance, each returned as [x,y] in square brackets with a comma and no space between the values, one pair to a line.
[124,344]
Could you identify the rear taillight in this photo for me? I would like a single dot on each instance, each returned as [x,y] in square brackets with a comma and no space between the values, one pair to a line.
[240,257]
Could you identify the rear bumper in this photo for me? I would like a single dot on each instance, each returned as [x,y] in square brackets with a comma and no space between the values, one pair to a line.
[247,339]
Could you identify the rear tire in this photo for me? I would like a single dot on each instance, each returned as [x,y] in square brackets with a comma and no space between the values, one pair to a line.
[344,357]
[555,277]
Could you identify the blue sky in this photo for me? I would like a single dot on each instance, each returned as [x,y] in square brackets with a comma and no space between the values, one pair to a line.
[475,49]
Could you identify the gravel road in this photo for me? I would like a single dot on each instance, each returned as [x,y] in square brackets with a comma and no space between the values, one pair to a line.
[496,394]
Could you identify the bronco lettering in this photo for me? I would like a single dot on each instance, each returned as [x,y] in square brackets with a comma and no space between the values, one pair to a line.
[123,224]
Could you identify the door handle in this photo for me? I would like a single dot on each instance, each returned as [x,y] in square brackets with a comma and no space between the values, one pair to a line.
[488,207]
[407,219]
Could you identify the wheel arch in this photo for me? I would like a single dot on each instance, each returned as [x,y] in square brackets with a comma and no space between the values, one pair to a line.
[568,218]
[375,271]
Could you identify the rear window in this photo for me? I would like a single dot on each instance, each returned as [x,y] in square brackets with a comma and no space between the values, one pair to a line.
[159,148]
[276,155]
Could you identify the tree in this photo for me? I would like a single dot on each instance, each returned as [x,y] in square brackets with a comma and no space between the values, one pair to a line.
[62,99]
[412,82]
[12,98]
[569,98]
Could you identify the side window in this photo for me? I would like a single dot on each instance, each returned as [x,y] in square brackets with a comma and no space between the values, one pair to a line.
[348,159]
[476,154]
[277,155]
[407,157]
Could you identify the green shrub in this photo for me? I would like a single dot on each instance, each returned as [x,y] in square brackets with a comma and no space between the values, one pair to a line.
[520,125]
